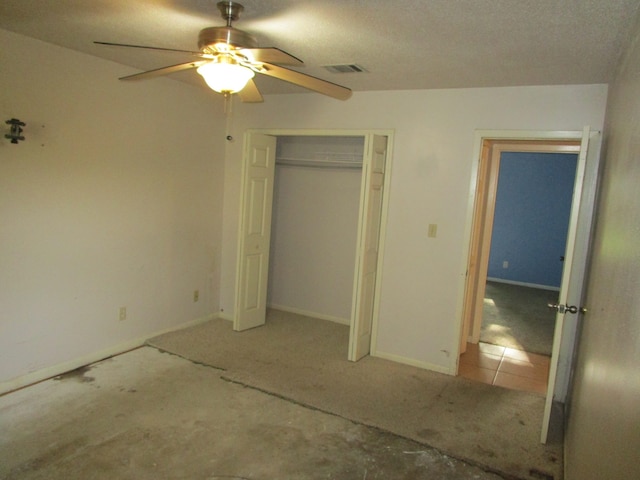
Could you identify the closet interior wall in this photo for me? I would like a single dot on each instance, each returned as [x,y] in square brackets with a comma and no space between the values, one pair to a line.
[314,225]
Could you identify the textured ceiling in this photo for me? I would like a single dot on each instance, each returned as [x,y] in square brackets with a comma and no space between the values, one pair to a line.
[402,44]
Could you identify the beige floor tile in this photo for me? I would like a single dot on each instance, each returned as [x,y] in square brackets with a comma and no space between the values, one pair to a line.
[492,349]
[480,359]
[505,367]
[472,349]
[526,356]
[516,382]
[476,373]
[481,347]
[523,369]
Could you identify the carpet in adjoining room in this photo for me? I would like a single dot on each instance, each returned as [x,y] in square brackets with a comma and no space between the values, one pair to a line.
[518,317]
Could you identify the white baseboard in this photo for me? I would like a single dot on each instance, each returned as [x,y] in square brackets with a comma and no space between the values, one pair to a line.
[306,313]
[182,326]
[225,316]
[412,362]
[60,368]
[524,284]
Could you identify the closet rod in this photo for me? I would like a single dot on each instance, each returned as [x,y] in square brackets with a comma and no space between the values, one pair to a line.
[300,162]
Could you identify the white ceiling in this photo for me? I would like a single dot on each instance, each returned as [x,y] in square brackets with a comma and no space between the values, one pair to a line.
[403,44]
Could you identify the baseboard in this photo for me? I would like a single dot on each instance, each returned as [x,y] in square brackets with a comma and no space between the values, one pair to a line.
[412,362]
[306,313]
[182,326]
[60,368]
[225,316]
[524,284]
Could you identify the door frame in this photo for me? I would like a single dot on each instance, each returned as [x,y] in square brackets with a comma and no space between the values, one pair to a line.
[582,213]
[482,225]
[383,219]
[476,209]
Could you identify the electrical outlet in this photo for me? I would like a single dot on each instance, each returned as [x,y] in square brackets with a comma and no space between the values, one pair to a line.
[505,264]
[123,313]
[432,231]
[196,295]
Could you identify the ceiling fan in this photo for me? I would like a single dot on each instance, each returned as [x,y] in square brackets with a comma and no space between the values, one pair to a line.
[229,58]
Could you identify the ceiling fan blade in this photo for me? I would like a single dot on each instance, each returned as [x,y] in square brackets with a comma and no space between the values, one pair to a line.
[271,55]
[164,70]
[307,81]
[199,54]
[250,93]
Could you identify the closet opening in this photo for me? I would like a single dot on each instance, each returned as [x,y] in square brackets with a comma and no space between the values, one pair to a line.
[310,242]
[314,225]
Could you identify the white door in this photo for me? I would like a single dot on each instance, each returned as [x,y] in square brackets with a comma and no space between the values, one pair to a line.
[255,232]
[368,242]
[572,285]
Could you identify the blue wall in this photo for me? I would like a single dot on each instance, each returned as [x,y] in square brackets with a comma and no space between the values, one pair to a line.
[531,219]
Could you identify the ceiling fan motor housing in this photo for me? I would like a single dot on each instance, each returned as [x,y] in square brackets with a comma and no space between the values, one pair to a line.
[208,37]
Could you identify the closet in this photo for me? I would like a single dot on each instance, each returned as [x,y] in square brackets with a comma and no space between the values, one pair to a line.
[314,225]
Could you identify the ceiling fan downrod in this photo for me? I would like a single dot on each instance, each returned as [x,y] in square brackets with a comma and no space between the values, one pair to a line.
[230,11]
[229,35]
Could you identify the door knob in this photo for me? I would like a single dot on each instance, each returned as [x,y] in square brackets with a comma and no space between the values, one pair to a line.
[561,308]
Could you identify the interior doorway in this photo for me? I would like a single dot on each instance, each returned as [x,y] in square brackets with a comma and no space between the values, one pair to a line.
[528,242]
[256,228]
[569,308]
[508,331]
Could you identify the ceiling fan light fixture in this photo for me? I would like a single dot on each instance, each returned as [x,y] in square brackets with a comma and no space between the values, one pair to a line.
[229,59]
[225,77]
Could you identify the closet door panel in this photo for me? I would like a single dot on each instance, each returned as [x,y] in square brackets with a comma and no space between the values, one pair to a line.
[255,233]
[368,243]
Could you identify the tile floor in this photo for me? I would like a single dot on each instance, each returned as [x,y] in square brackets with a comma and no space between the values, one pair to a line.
[505,367]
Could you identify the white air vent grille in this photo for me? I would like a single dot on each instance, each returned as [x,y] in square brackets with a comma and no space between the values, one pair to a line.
[347,68]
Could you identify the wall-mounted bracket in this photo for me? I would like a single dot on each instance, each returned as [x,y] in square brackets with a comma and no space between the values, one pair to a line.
[16,130]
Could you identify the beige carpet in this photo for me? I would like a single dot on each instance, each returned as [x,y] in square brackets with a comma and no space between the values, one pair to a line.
[518,317]
[304,360]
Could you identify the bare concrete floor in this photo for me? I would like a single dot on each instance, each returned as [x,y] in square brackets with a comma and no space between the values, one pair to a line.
[151,415]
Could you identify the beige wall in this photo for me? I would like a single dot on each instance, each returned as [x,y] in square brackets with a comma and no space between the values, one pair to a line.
[114,199]
[431,166]
[604,420]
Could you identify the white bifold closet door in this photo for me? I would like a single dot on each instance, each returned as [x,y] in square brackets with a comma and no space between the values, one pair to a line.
[255,233]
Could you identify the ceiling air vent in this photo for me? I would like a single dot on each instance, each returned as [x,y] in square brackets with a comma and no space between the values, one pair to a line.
[349,68]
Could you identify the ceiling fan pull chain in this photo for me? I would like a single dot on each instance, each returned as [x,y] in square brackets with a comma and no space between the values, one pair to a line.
[228,104]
